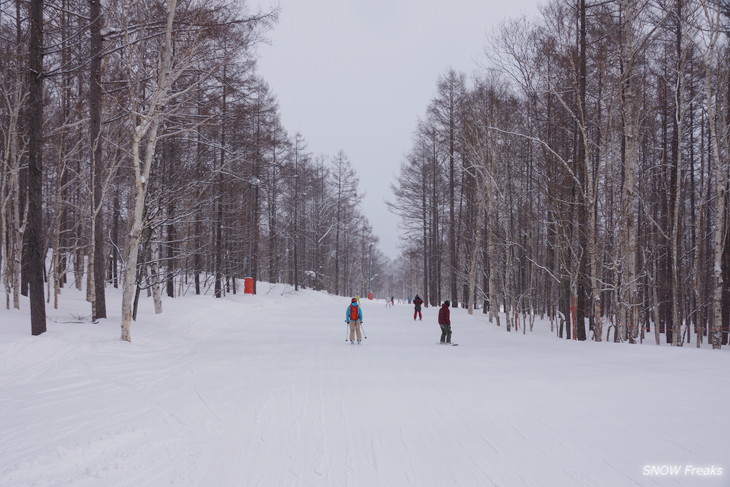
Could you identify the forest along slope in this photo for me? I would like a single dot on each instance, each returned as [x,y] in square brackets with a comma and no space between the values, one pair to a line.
[264,390]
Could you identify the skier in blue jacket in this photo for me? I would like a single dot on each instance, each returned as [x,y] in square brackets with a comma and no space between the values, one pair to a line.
[353,316]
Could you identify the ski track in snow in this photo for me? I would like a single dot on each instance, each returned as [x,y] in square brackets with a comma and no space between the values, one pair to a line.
[262,391]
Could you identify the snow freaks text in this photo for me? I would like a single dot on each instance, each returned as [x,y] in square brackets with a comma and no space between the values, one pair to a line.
[682,470]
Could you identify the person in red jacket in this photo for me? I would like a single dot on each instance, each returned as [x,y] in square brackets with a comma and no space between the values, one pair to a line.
[445,322]
[417,302]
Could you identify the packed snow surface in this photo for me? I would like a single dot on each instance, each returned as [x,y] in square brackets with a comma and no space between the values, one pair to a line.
[265,391]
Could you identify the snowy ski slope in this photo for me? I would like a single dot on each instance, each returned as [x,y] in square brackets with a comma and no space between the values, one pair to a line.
[264,391]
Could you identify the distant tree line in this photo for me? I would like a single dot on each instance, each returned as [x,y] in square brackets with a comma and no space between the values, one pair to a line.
[583,175]
[141,149]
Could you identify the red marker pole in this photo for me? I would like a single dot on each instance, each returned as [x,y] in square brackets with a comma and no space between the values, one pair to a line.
[572,314]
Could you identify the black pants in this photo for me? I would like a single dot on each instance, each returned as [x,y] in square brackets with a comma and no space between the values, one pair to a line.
[445,333]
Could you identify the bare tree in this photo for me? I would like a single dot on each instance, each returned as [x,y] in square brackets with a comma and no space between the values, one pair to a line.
[36,242]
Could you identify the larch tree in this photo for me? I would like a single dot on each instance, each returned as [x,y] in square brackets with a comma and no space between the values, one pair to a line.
[35,237]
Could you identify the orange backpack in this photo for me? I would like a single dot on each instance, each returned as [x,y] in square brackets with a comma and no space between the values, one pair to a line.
[354,315]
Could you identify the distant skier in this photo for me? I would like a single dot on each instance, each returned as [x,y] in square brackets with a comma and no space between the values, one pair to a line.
[417,302]
[445,322]
[353,316]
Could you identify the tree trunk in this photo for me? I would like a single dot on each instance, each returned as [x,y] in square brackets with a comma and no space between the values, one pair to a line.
[115,240]
[198,225]
[295,223]
[218,289]
[629,295]
[677,186]
[13,215]
[425,226]
[721,181]
[149,127]
[137,219]
[170,265]
[337,230]
[477,245]
[452,215]
[36,243]
[98,305]
[492,251]
[154,271]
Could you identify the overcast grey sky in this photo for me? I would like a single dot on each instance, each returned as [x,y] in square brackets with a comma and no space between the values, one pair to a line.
[356,75]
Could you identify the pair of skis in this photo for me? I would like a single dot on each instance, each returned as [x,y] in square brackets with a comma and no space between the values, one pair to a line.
[347,339]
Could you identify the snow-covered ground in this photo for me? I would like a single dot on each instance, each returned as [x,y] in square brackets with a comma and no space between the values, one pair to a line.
[264,391]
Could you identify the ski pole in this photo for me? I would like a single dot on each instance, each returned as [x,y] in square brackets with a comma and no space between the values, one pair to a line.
[363,331]
[347,330]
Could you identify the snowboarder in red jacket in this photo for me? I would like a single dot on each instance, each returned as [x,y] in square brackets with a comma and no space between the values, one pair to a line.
[417,302]
[445,322]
